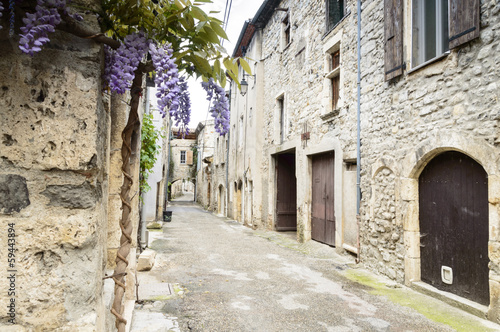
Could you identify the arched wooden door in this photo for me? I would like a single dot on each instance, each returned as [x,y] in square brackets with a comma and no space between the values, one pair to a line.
[453,199]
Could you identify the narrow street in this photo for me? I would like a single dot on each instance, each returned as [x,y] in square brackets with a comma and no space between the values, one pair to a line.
[218,275]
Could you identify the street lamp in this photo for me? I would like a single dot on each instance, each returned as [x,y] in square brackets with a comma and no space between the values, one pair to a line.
[244,84]
[244,87]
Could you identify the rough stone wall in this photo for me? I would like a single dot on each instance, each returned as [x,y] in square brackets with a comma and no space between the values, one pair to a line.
[53,181]
[450,104]
[383,247]
[297,73]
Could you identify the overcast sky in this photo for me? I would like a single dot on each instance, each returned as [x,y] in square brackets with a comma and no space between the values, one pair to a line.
[241,11]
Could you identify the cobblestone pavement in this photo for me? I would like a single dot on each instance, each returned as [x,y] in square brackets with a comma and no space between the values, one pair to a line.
[224,276]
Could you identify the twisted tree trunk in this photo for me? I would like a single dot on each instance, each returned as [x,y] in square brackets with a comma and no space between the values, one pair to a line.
[133,126]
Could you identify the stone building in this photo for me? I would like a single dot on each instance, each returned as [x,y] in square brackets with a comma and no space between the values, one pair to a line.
[299,115]
[211,181]
[429,136]
[182,168]
[430,145]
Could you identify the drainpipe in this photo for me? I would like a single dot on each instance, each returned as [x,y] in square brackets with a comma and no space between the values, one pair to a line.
[168,162]
[227,154]
[358,157]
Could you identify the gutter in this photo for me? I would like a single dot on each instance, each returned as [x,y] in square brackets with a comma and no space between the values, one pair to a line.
[358,148]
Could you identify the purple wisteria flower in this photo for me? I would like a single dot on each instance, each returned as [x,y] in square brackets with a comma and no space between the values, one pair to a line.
[220,106]
[125,60]
[166,80]
[38,25]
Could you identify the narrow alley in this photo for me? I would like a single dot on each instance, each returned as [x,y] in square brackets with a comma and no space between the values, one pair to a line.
[213,274]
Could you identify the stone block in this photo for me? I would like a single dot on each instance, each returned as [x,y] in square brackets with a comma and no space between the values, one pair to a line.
[494,222]
[14,195]
[494,189]
[82,196]
[154,225]
[409,189]
[411,222]
[146,260]
[412,244]
[412,270]
[494,309]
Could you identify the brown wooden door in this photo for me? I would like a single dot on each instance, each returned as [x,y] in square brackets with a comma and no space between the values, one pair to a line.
[323,212]
[286,200]
[453,195]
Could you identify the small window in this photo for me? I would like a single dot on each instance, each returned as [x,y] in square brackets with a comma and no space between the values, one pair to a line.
[334,13]
[183,157]
[285,39]
[282,117]
[335,80]
[429,30]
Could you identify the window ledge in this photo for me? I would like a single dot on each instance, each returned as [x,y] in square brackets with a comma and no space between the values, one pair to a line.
[428,62]
[330,115]
[333,73]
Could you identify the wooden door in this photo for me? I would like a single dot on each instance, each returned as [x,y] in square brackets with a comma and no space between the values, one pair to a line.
[323,211]
[286,198]
[453,195]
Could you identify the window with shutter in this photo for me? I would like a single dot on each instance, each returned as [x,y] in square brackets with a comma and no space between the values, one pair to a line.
[183,157]
[189,157]
[393,18]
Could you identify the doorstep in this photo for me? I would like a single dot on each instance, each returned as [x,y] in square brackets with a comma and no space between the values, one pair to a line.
[462,303]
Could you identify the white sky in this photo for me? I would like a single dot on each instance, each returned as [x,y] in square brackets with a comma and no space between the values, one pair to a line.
[241,11]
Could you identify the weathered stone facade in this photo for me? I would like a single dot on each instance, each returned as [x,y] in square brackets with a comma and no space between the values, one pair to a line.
[54,163]
[181,169]
[448,104]
[211,180]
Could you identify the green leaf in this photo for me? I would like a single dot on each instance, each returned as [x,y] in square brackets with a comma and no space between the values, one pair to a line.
[217,28]
[245,66]
[198,14]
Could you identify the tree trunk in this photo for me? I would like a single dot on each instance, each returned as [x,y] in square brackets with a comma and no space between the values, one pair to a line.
[133,126]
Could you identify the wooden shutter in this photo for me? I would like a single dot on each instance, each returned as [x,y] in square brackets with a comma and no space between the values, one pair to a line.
[464,21]
[189,157]
[393,18]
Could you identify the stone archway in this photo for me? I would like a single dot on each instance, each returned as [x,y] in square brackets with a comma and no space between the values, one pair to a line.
[411,168]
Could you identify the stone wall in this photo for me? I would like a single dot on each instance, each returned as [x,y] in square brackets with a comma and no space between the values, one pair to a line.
[450,104]
[297,74]
[53,181]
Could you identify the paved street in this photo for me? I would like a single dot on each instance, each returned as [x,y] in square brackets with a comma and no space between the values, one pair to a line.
[226,277]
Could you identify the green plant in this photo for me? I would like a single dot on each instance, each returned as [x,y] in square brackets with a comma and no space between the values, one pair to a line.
[149,151]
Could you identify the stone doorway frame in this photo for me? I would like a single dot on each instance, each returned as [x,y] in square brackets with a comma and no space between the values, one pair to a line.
[412,166]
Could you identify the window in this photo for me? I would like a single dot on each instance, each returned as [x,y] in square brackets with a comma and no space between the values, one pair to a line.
[429,30]
[332,78]
[281,114]
[335,79]
[334,13]
[436,27]
[183,157]
[285,29]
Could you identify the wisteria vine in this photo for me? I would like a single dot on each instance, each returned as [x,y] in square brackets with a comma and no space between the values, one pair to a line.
[220,106]
[38,25]
[122,63]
